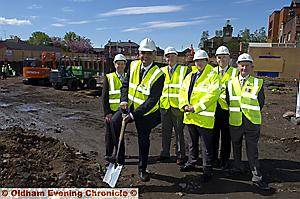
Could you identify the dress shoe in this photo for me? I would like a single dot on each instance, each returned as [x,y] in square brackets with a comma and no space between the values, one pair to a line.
[261,184]
[144,176]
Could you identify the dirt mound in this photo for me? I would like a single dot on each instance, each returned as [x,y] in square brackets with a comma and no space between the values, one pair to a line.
[30,159]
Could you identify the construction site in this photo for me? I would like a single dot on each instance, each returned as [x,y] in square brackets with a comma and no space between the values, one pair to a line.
[52,124]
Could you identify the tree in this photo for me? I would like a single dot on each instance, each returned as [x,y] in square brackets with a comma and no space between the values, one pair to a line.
[259,35]
[204,37]
[245,35]
[71,36]
[39,38]
[76,43]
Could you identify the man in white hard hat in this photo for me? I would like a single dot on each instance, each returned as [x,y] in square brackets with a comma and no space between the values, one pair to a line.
[246,100]
[140,93]
[171,116]
[198,98]
[111,95]
[222,114]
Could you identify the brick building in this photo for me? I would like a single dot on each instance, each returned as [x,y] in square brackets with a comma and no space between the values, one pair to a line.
[284,25]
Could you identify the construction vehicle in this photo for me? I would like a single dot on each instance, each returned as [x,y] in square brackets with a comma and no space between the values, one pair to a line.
[36,72]
[73,77]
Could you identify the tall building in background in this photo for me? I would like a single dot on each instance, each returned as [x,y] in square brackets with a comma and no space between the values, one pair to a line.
[284,25]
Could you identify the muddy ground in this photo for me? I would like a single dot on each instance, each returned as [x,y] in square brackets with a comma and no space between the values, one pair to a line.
[39,114]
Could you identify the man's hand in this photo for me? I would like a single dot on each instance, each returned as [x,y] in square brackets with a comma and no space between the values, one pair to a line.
[189,108]
[128,119]
[108,117]
[124,105]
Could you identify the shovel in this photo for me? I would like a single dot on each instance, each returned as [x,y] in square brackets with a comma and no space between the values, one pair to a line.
[113,170]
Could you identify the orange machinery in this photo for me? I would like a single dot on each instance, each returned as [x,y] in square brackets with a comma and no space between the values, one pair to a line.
[35,72]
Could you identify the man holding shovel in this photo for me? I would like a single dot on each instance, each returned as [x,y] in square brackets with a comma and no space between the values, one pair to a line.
[140,95]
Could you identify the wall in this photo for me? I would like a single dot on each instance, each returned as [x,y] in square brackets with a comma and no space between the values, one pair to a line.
[275,59]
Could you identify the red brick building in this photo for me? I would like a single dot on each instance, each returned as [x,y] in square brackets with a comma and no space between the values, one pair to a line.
[284,25]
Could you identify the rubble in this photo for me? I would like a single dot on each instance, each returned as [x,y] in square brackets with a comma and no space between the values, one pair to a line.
[29,159]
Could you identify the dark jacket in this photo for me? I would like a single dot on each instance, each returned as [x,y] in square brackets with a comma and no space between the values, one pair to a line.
[155,93]
[105,97]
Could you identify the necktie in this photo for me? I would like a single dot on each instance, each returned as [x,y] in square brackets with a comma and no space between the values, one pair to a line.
[222,72]
[242,82]
[142,74]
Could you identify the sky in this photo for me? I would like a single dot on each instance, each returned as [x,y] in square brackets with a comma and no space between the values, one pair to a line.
[176,23]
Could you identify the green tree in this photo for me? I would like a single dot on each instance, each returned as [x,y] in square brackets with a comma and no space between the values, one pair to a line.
[71,36]
[245,35]
[39,38]
[204,37]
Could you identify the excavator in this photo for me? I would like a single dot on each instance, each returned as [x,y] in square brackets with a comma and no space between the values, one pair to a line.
[36,72]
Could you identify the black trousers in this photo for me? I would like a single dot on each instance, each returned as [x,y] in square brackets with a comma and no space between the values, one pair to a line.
[110,139]
[221,127]
[206,137]
[144,125]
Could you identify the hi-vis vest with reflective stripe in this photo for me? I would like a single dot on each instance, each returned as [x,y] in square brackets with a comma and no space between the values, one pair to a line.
[138,93]
[170,93]
[244,100]
[204,97]
[115,85]
[230,73]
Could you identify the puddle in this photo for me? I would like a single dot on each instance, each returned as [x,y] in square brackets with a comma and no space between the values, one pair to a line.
[27,108]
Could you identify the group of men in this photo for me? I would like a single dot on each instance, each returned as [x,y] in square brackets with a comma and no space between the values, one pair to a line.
[212,102]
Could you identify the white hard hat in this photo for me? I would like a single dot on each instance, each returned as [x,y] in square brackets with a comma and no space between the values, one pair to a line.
[200,54]
[147,45]
[170,50]
[120,57]
[222,50]
[245,57]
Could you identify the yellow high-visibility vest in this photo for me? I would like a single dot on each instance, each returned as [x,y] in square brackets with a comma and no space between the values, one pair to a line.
[244,100]
[170,93]
[204,97]
[138,93]
[231,72]
[115,85]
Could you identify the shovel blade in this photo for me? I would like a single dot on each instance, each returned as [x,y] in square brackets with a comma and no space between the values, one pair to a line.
[112,174]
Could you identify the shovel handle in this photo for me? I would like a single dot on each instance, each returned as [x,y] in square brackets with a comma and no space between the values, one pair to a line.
[120,138]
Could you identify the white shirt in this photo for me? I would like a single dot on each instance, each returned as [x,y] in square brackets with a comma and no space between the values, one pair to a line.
[172,69]
[243,79]
[121,76]
[146,68]
[223,71]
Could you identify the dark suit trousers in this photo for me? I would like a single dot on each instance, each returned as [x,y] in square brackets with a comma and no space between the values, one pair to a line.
[251,132]
[172,118]
[110,139]
[222,127]
[206,136]
[144,125]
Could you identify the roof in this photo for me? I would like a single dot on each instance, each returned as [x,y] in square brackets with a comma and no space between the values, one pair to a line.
[21,45]
[122,44]
[98,50]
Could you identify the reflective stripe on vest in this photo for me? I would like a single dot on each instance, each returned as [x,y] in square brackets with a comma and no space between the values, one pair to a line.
[203,84]
[244,100]
[170,93]
[230,73]
[115,85]
[138,93]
